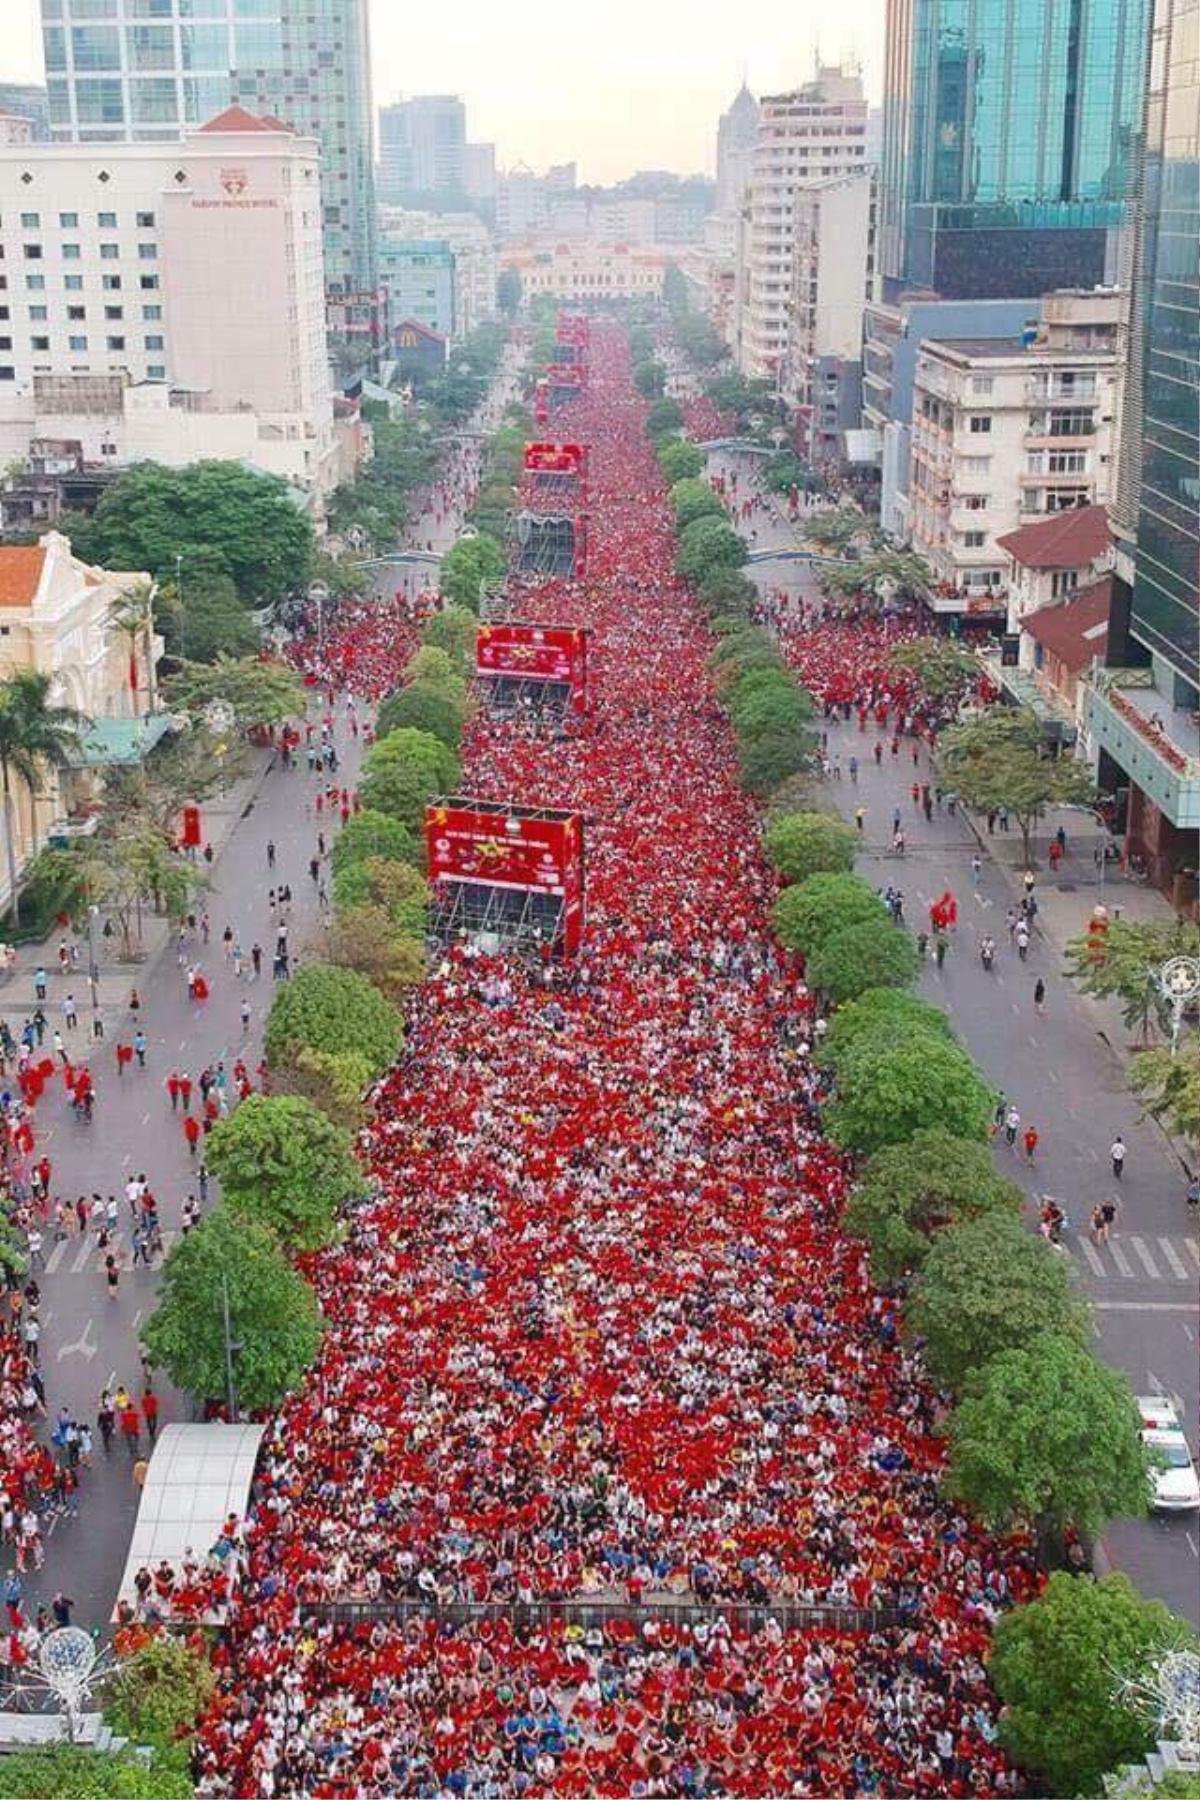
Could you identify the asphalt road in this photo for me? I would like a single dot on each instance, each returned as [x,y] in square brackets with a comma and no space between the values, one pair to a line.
[1065,1078]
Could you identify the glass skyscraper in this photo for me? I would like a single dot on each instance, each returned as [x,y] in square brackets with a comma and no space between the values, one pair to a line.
[147,69]
[1009,128]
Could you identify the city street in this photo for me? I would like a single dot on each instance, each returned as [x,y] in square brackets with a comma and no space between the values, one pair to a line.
[1064,1072]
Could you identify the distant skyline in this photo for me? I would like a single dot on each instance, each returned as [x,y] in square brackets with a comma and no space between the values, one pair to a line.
[599,103]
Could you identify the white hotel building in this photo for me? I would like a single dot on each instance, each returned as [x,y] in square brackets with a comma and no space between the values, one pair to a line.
[166,300]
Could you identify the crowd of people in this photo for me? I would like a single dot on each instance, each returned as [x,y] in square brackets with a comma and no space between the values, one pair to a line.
[599,1337]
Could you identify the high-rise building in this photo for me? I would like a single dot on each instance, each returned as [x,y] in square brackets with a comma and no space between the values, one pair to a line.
[737,134]
[833,278]
[1009,132]
[1142,712]
[479,171]
[806,136]
[422,146]
[21,100]
[147,69]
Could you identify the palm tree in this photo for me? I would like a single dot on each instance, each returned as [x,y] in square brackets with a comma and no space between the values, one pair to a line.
[132,615]
[33,734]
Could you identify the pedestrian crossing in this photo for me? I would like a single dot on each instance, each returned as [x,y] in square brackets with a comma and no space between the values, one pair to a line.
[1133,1256]
[83,1255]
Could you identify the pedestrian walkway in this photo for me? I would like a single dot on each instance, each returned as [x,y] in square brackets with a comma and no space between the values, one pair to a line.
[1169,1260]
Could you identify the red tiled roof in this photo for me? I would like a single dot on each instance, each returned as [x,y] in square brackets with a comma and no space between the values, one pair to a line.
[1064,540]
[236,118]
[1077,630]
[20,572]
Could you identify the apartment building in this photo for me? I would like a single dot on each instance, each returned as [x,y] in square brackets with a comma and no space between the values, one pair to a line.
[1003,433]
[833,270]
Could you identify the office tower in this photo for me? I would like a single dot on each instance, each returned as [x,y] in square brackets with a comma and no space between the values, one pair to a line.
[479,171]
[148,69]
[737,133]
[1009,133]
[422,146]
[806,136]
[23,101]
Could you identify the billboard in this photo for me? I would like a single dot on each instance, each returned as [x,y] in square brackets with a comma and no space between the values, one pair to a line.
[556,459]
[516,850]
[535,653]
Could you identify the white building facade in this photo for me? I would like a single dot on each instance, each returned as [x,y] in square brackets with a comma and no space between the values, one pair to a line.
[472,249]
[191,268]
[833,278]
[804,137]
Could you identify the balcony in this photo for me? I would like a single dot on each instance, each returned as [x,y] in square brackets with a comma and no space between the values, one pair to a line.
[1080,389]
[1157,744]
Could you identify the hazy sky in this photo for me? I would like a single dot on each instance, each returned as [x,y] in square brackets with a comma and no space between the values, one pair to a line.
[619,84]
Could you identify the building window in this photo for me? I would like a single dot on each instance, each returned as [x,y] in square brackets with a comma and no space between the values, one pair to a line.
[96,47]
[35,283]
[68,221]
[149,283]
[77,312]
[109,252]
[148,252]
[981,384]
[1067,462]
[1075,421]
[154,342]
[151,313]
[976,465]
[145,221]
[33,253]
[110,283]
[71,252]
[975,502]
[77,343]
[37,343]
[115,343]
[1064,582]
[114,312]
[981,423]
[7,372]
[36,314]
[73,284]
[974,540]
[31,221]
[106,221]
[156,372]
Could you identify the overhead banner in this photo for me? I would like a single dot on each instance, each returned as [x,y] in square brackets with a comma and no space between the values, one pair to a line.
[535,653]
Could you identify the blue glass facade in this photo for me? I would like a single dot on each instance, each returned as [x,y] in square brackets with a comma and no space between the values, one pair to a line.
[1014,116]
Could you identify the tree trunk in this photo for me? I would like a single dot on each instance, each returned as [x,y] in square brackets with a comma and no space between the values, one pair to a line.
[14,903]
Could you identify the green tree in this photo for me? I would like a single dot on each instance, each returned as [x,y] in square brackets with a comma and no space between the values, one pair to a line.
[334,1011]
[68,1772]
[157,1695]
[282,1164]
[371,833]
[364,938]
[36,737]
[453,630]
[837,528]
[650,378]
[210,622]
[871,954]
[999,760]
[434,667]
[129,870]
[728,592]
[679,460]
[943,668]
[804,844]
[1169,1087]
[886,1093]
[771,704]
[1122,963]
[420,706]
[151,515]
[1176,1784]
[1056,1664]
[706,546]
[470,568]
[810,912]
[908,1192]
[273,1314]
[395,886]
[1048,1437]
[884,1017]
[986,1285]
[692,500]
[766,762]
[402,772]
[131,616]
[508,292]
[664,418]
[253,692]
[738,652]
[337,1083]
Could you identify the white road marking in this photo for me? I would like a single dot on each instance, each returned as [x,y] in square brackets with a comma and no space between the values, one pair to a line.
[1141,1251]
[83,1345]
[83,1256]
[1121,1260]
[1192,1246]
[1172,1256]
[1192,1545]
[1093,1257]
[56,1255]
[1183,1306]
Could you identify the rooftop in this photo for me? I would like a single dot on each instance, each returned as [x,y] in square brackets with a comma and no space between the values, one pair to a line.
[20,572]
[1063,540]
[1002,349]
[237,118]
[1075,631]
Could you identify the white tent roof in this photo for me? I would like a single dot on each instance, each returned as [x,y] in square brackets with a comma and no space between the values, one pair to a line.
[198,1475]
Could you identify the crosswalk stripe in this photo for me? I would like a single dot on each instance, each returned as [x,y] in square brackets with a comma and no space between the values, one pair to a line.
[1093,1256]
[1172,1256]
[1147,1261]
[84,1251]
[56,1255]
[1121,1260]
[1192,1246]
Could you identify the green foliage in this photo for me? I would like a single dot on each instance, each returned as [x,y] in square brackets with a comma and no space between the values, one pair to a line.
[706,546]
[365,939]
[692,500]
[1169,1087]
[376,501]
[888,1092]
[508,292]
[157,1695]
[727,591]
[337,1083]
[403,771]
[885,1017]
[899,571]
[664,417]
[334,1011]
[987,1285]
[765,763]
[650,378]
[471,567]
[742,399]
[943,668]
[810,912]
[804,844]
[1047,1436]
[395,886]
[256,693]
[66,1772]
[1176,1784]
[1123,964]
[54,882]
[770,702]
[453,630]
[371,833]
[421,706]
[999,760]
[739,651]
[272,1312]
[1056,1664]
[129,869]
[282,1164]
[209,622]
[249,521]
[679,460]
[785,470]
[434,667]
[908,1192]
[836,529]
[34,736]
[872,954]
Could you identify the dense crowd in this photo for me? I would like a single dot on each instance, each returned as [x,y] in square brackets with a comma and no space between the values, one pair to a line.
[600,1337]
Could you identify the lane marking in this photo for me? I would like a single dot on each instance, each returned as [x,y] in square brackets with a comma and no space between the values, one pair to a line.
[1168,1306]
[1172,1256]
[1143,1255]
[1121,1260]
[1093,1257]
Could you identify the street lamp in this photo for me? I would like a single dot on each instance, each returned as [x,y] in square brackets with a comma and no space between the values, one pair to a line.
[1178,981]
[232,1346]
[318,593]
[182,607]
[94,966]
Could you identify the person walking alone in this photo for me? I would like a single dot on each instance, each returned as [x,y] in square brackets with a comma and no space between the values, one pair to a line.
[1117,1153]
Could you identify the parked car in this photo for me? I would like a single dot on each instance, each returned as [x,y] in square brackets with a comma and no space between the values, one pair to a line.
[1176,1486]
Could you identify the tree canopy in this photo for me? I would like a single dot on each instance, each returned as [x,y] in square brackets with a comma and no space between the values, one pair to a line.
[453,630]
[1122,963]
[395,886]
[254,692]
[679,460]
[692,500]
[423,706]
[888,1091]
[942,667]
[470,568]
[988,1284]
[1056,1664]
[248,521]
[1169,1088]
[156,1695]
[283,1164]
[873,953]
[272,1312]
[72,1772]
[810,912]
[334,1011]
[884,1016]
[707,545]
[403,771]
[804,844]
[1047,1436]
[999,761]
[371,833]
[908,1192]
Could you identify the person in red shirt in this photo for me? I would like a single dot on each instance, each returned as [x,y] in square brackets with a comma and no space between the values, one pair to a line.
[124,1057]
[185,1092]
[173,1089]
[131,1427]
[1030,1141]
[150,1412]
[191,1131]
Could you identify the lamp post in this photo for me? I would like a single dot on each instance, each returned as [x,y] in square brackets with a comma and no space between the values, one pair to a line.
[182,607]
[94,966]
[318,593]
[231,1349]
[1178,981]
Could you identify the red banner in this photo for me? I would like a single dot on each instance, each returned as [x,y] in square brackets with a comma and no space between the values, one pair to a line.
[536,653]
[190,836]
[556,459]
[521,851]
